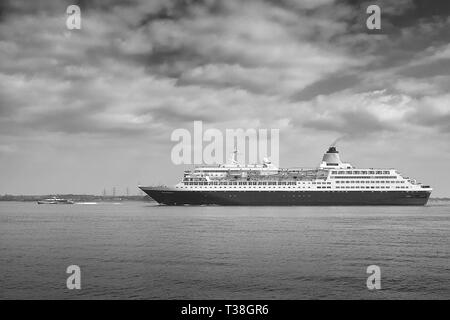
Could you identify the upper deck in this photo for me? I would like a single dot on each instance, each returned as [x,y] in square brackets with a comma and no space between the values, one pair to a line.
[332,174]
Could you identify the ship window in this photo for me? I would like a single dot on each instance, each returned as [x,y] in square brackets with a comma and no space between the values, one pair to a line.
[385,172]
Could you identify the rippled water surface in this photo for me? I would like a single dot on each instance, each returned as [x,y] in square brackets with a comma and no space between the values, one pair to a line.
[138,250]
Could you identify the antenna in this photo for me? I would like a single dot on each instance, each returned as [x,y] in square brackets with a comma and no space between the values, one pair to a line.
[234,153]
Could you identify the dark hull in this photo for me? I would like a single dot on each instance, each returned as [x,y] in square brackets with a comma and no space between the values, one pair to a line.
[288,198]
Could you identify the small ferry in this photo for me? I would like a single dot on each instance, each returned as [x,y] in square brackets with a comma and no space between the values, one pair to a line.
[55,200]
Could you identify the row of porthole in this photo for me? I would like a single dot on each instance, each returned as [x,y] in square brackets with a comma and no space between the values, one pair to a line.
[341,191]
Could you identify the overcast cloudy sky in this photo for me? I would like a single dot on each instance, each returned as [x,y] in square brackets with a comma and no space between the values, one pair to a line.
[94,108]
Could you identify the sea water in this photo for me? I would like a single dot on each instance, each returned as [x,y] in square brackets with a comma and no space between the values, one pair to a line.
[140,250]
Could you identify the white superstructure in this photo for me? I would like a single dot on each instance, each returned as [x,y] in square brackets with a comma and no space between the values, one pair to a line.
[331,175]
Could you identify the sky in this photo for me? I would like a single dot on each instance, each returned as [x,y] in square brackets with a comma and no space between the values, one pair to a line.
[91,109]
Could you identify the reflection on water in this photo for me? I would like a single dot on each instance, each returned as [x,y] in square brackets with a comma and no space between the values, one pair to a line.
[139,250]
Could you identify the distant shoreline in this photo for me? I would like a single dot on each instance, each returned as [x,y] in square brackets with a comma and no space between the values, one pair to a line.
[75,197]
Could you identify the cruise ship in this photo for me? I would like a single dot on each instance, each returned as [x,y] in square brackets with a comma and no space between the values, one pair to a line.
[333,183]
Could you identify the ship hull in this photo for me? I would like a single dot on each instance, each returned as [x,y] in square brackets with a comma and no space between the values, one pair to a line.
[168,196]
[55,202]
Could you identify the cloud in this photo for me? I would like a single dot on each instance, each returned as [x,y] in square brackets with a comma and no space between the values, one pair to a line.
[173,62]
[138,70]
[357,115]
[433,112]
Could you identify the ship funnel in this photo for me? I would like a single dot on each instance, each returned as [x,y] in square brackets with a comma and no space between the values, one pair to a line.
[331,157]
